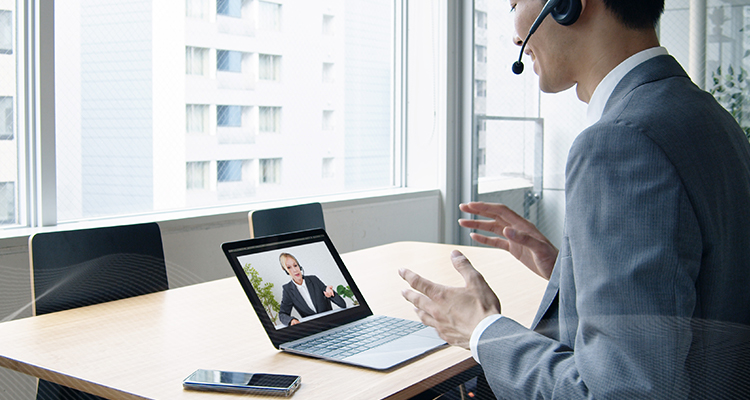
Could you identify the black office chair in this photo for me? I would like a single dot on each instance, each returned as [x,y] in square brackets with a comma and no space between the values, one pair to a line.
[273,221]
[89,266]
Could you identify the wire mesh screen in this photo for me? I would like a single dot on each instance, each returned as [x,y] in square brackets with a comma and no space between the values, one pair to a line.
[709,38]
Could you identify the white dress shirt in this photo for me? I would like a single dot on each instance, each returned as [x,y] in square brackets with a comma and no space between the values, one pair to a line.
[302,289]
[593,113]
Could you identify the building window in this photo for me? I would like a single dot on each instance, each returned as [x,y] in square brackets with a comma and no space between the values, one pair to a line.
[197,118]
[230,8]
[328,73]
[481,53]
[6,32]
[328,25]
[196,61]
[480,87]
[328,121]
[196,8]
[229,61]
[197,175]
[229,116]
[270,16]
[7,202]
[480,19]
[113,134]
[6,118]
[229,171]
[328,170]
[270,170]
[270,119]
[269,67]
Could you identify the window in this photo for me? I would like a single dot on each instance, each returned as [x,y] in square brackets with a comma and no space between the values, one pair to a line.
[129,117]
[229,171]
[230,8]
[230,61]
[7,202]
[196,61]
[6,32]
[480,19]
[269,16]
[197,118]
[229,116]
[327,72]
[480,88]
[328,123]
[270,119]
[270,170]
[6,118]
[197,175]
[328,170]
[328,28]
[269,67]
[196,8]
[481,53]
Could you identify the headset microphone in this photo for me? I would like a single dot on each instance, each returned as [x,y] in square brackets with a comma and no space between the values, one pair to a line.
[565,12]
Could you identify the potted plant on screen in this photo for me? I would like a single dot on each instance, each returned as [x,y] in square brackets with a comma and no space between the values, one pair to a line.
[264,291]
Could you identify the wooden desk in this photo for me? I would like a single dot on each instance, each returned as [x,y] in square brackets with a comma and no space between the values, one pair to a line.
[144,347]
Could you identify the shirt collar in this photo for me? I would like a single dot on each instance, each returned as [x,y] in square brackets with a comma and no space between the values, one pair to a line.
[607,85]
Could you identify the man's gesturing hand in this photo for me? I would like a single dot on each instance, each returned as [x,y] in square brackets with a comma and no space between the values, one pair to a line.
[522,238]
[453,311]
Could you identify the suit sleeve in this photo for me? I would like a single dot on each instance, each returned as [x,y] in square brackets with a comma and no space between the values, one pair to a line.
[338,300]
[285,310]
[627,292]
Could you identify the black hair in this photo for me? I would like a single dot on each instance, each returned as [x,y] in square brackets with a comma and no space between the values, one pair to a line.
[636,14]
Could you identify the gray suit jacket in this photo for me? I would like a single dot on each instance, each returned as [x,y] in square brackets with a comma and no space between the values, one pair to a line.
[290,297]
[650,294]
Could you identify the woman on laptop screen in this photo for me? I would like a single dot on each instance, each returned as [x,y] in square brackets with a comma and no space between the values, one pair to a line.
[306,294]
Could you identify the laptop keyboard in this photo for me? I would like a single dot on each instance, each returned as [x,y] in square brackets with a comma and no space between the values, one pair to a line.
[359,337]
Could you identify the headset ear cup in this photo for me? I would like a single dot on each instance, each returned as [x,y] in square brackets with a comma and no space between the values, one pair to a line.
[567,12]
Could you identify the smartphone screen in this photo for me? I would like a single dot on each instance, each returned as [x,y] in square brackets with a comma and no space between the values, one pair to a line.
[203,379]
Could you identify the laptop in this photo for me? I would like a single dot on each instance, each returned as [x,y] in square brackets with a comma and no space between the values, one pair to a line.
[332,321]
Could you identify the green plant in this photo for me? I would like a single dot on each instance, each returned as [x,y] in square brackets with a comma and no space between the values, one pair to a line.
[346,292]
[264,291]
[731,90]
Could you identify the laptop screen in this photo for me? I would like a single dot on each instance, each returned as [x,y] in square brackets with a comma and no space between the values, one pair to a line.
[297,283]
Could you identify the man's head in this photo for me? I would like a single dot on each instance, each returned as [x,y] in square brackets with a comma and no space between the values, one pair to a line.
[605,34]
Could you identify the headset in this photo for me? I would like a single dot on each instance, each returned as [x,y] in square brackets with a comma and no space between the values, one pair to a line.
[565,12]
[285,255]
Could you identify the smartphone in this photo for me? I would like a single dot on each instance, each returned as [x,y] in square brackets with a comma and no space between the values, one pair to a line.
[242,382]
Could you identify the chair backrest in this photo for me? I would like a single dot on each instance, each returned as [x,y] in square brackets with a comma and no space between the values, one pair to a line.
[89,266]
[273,221]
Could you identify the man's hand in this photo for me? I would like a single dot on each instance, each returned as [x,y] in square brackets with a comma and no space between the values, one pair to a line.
[329,292]
[522,239]
[453,311]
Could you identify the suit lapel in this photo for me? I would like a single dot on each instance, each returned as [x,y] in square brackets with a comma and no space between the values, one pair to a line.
[311,288]
[300,301]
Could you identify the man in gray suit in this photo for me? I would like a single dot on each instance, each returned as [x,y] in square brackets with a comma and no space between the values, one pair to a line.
[649,295]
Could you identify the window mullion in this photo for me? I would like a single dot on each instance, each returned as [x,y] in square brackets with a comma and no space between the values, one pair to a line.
[40,113]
